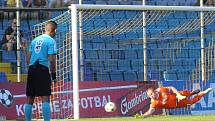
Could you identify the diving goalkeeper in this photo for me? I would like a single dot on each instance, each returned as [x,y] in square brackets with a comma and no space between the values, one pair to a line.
[170,97]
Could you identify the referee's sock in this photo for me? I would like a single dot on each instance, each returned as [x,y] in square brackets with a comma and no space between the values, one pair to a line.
[46,111]
[28,112]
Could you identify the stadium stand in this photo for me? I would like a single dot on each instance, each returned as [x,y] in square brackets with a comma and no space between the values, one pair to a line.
[3,77]
[129,53]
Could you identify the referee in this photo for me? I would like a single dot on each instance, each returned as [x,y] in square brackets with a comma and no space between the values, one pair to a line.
[41,58]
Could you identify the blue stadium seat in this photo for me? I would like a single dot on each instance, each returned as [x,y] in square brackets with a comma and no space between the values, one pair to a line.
[131,14]
[101,2]
[113,2]
[97,65]
[125,2]
[131,35]
[137,64]
[162,3]
[110,65]
[99,23]
[170,75]
[104,54]
[3,77]
[119,15]
[140,53]
[140,75]
[112,44]
[88,45]
[98,45]
[8,56]
[116,76]
[136,2]
[130,54]
[90,54]
[103,76]
[124,65]
[117,54]
[88,1]
[184,75]
[125,45]
[130,76]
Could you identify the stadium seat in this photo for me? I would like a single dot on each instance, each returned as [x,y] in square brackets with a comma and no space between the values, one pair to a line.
[98,45]
[117,54]
[140,53]
[124,65]
[3,77]
[88,2]
[8,56]
[137,64]
[130,76]
[119,15]
[125,2]
[112,44]
[130,54]
[116,76]
[136,2]
[101,2]
[140,75]
[90,54]
[104,54]
[99,23]
[125,44]
[96,65]
[110,65]
[170,75]
[113,2]
[88,45]
[103,76]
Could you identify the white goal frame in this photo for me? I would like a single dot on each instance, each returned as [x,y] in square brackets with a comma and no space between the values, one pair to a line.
[75,7]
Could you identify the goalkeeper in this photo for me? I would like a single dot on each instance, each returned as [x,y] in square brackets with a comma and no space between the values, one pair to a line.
[170,97]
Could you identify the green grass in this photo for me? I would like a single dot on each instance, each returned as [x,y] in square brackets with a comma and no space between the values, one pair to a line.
[153,118]
[159,118]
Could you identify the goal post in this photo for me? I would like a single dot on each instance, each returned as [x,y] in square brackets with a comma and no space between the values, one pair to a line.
[85,8]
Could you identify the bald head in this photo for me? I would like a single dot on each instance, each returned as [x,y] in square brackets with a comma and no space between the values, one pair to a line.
[51,28]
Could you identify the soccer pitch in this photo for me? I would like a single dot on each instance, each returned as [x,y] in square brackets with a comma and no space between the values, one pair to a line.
[153,118]
[159,118]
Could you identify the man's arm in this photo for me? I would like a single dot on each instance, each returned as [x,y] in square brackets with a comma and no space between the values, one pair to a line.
[149,112]
[28,58]
[52,66]
[52,62]
[178,95]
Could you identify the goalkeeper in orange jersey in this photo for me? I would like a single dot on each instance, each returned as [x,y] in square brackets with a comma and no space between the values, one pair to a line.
[170,97]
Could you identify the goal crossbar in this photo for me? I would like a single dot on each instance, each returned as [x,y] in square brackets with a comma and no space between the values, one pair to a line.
[141,7]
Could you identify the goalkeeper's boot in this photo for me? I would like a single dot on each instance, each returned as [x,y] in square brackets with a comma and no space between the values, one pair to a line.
[195,91]
[207,90]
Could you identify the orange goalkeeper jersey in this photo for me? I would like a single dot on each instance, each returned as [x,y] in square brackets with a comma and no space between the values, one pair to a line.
[166,99]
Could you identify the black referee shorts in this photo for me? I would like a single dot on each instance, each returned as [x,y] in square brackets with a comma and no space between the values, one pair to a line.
[38,81]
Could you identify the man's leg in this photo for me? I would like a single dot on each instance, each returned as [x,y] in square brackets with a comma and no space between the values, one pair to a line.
[188,93]
[46,108]
[199,96]
[185,102]
[28,108]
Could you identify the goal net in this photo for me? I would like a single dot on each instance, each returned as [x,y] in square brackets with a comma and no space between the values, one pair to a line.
[132,43]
